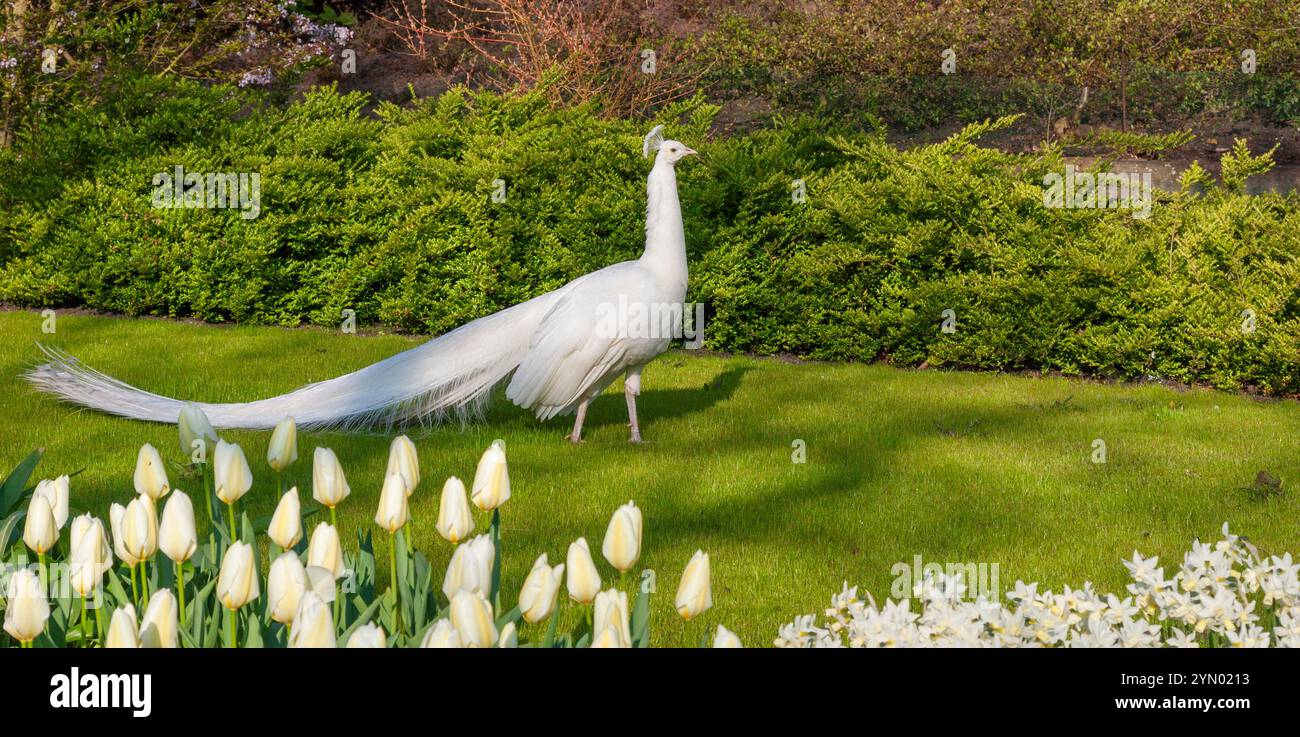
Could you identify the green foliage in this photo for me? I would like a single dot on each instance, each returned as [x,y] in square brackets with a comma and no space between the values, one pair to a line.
[393,217]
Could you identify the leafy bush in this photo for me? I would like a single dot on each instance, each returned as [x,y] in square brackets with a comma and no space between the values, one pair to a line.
[393,217]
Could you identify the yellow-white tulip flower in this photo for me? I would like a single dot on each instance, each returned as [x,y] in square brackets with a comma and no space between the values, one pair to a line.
[403,459]
[610,638]
[324,549]
[611,611]
[285,585]
[283,448]
[26,608]
[313,624]
[470,568]
[442,635]
[471,615]
[123,632]
[491,486]
[286,524]
[237,582]
[509,636]
[695,592]
[321,581]
[161,624]
[56,493]
[622,546]
[541,590]
[231,472]
[150,473]
[194,425]
[392,512]
[726,638]
[328,484]
[455,521]
[368,635]
[39,529]
[117,520]
[177,537]
[88,555]
[140,528]
[584,579]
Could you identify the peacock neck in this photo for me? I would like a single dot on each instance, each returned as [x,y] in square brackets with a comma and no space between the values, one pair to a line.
[665,238]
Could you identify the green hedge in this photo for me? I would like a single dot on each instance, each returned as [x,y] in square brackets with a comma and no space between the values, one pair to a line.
[393,218]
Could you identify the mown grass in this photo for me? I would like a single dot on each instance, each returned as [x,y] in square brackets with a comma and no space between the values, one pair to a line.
[954,467]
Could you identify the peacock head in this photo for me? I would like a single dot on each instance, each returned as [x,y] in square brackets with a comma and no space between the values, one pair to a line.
[670,152]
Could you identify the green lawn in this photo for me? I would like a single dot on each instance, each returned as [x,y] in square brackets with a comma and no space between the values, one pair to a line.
[955,467]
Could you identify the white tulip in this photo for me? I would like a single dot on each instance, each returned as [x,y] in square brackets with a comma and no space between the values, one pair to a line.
[150,473]
[695,592]
[123,632]
[237,581]
[584,579]
[541,590]
[140,528]
[328,484]
[610,638]
[368,636]
[455,521]
[177,537]
[26,608]
[56,493]
[231,472]
[313,624]
[40,531]
[403,459]
[161,624]
[726,638]
[622,546]
[285,585]
[470,568]
[88,555]
[392,512]
[611,611]
[286,524]
[324,549]
[283,448]
[491,486]
[321,581]
[116,521]
[509,637]
[471,615]
[441,635]
[194,425]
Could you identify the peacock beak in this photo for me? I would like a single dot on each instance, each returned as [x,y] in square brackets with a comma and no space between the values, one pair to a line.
[690,152]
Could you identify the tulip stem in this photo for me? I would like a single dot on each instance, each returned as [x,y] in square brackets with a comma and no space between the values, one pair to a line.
[180,588]
[40,558]
[135,590]
[144,583]
[207,491]
[392,581]
[85,622]
[334,519]
[230,514]
[230,618]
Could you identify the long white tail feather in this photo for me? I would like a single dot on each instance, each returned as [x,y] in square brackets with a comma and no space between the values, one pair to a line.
[452,374]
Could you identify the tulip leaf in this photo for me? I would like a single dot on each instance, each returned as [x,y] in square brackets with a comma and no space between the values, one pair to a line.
[495,597]
[641,619]
[9,528]
[361,619]
[549,640]
[14,487]
[511,616]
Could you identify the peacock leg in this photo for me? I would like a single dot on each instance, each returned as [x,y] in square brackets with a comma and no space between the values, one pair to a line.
[631,388]
[576,435]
